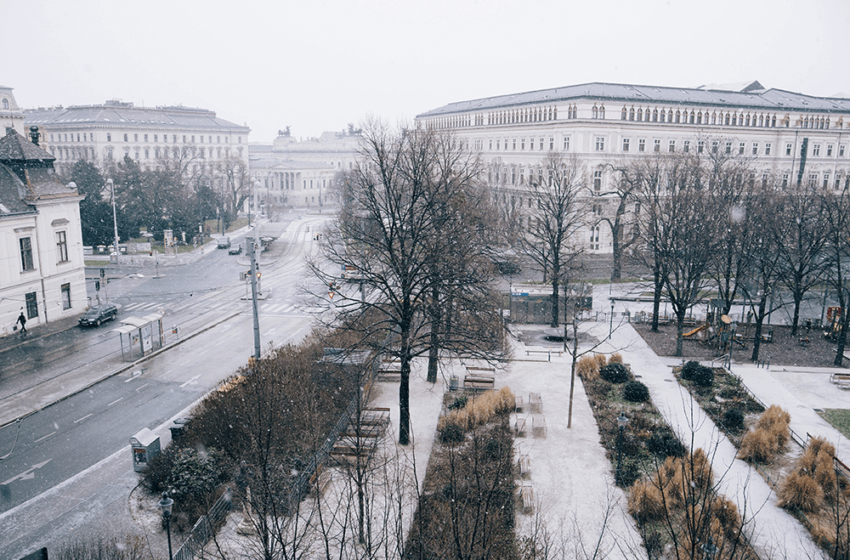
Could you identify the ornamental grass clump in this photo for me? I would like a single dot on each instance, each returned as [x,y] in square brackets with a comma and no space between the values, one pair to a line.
[588,368]
[813,478]
[615,358]
[768,438]
[479,410]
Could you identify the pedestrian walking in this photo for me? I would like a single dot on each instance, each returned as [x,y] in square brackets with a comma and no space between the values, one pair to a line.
[23,321]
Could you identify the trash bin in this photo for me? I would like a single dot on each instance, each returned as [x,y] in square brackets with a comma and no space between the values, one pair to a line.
[453,383]
[179,428]
[145,446]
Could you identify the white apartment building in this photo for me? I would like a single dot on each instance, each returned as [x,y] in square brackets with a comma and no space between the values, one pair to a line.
[301,173]
[106,133]
[41,242]
[612,123]
[11,116]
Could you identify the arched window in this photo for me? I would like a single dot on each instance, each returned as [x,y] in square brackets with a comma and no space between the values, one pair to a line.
[662,115]
[640,115]
[678,116]
[691,120]
[632,114]
[602,112]
[5,103]
[595,112]
[623,114]
[699,117]
[726,120]
[655,115]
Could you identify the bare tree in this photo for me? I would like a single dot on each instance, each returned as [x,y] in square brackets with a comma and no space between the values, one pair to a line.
[557,214]
[836,207]
[626,188]
[399,224]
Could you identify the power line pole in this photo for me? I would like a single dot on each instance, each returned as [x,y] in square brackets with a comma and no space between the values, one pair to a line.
[252,248]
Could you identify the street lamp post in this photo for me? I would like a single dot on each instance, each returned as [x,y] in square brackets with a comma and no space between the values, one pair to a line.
[165,504]
[622,422]
[611,324]
[114,217]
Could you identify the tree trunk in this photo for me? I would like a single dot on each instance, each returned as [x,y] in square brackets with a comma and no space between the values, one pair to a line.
[796,323]
[842,336]
[433,356]
[404,386]
[759,322]
[616,268]
[573,375]
[556,274]
[680,331]
[656,299]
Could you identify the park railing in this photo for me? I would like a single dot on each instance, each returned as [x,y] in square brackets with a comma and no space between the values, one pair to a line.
[205,528]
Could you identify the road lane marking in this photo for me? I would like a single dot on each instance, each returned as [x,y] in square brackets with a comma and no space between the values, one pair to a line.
[186,362]
[114,402]
[27,474]
[142,387]
[83,418]
[44,437]
[270,331]
[192,381]
[202,353]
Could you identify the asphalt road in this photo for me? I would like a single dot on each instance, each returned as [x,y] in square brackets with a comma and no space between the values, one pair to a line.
[67,438]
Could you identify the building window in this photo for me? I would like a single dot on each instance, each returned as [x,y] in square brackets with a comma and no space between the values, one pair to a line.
[640,114]
[622,114]
[108,153]
[513,144]
[109,137]
[784,179]
[655,115]
[788,148]
[657,146]
[813,179]
[600,144]
[741,148]
[32,305]
[816,150]
[632,114]
[498,143]
[728,147]
[566,143]
[62,246]
[642,145]
[597,180]
[672,146]
[147,153]
[829,150]
[687,146]
[125,137]
[146,137]
[135,137]
[541,144]
[551,143]
[755,148]
[66,296]
[826,180]
[767,148]
[841,150]
[625,144]
[26,254]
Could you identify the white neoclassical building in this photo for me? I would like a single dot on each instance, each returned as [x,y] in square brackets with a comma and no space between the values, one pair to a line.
[41,242]
[106,133]
[612,123]
[301,173]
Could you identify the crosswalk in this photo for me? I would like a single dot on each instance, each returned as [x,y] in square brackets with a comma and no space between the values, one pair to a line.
[277,308]
[265,307]
[143,306]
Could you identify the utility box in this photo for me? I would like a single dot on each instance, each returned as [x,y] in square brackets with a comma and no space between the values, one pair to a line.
[179,428]
[145,446]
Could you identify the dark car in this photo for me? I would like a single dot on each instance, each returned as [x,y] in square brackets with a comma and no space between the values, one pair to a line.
[98,314]
[235,250]
[223,242]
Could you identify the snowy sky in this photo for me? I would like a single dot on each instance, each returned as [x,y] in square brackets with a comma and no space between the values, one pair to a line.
[317,65]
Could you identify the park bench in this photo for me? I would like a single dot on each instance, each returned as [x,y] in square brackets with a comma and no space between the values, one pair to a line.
[518,402]
[547,352]
[485,370]
[841,379]
[527,494]
[536,402]
[524,465]
[538,425]
[374,416]
[478,383]
[365,430]
[519,428]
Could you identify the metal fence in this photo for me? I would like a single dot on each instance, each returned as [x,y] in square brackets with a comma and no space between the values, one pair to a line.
[205,528]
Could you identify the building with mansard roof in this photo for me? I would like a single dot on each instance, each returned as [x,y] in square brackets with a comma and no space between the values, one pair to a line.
[42,272]
[106,133]
[785,133]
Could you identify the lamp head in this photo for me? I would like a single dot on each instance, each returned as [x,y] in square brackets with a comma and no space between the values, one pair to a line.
[165,505]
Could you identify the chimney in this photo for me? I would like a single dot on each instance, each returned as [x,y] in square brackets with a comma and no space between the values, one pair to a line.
[9,130]
[34,134]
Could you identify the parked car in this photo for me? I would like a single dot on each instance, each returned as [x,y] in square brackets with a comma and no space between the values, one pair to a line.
[223,242]
[235,250]
[99,314]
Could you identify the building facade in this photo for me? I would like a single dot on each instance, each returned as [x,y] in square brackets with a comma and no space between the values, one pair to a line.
[610,124]
[41,242]
[104,134]
[300,174]
[11,116]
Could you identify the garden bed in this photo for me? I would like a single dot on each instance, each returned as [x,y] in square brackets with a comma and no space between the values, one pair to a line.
[650,456]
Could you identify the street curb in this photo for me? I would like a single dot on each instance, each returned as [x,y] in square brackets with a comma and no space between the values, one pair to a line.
[122,369]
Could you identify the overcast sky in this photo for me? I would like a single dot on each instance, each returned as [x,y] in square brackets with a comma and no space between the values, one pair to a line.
[317,65]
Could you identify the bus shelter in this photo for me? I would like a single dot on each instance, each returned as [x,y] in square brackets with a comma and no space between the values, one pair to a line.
[140,336]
